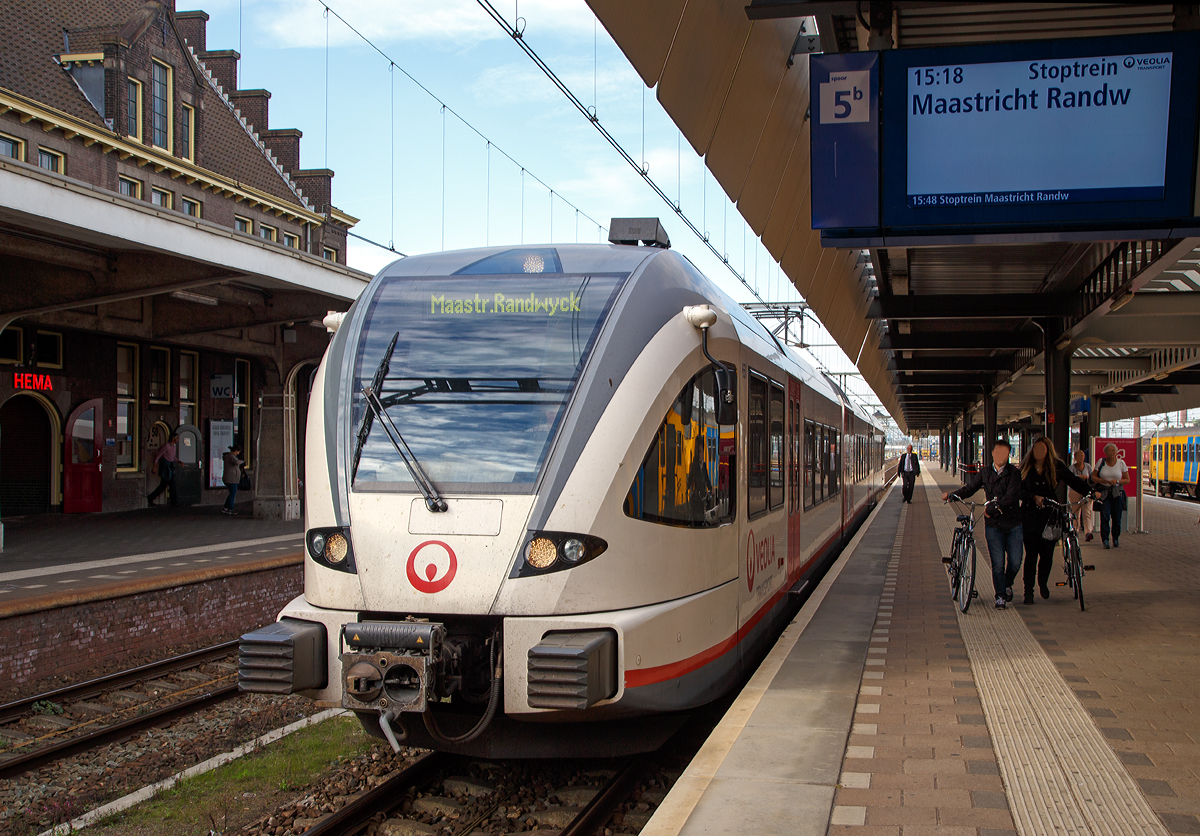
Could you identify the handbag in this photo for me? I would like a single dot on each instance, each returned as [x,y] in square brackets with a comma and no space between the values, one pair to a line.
[244,482]
[1052,531]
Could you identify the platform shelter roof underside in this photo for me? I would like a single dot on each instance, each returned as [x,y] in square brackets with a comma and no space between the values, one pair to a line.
[934,328]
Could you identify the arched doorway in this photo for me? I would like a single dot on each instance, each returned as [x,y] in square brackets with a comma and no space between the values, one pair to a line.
[296,393]
[29,455]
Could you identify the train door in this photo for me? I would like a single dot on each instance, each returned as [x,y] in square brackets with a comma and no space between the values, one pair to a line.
[83,482]
[840,464]
[795,485]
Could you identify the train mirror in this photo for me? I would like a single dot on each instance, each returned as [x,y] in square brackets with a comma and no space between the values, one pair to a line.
[726,393]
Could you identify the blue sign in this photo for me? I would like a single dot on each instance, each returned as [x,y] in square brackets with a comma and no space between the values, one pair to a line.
[1052,137]
[844,112]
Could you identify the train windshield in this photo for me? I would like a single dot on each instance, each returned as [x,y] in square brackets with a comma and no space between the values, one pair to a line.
[480,375]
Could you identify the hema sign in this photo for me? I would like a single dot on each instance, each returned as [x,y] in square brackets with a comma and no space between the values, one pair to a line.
[221,386]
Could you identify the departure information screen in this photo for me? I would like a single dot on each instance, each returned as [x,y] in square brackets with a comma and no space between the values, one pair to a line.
[1042,132]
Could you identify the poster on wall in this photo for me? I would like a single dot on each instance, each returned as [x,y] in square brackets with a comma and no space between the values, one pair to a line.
[1127,450]
[220,438]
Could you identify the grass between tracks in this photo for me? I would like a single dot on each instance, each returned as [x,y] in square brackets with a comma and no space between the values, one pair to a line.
[231,796]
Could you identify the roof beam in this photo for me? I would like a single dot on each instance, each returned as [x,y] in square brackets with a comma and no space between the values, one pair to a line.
[976,306]
[961,340]
[904,380]
[951,363]
[774,9]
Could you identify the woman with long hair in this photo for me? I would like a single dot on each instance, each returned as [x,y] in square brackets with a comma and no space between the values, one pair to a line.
[1042,476]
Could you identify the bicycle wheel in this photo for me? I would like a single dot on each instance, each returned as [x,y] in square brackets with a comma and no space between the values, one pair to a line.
[966,577]
[956,566]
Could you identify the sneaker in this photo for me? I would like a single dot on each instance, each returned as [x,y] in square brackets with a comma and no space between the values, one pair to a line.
[1000,605]
[226,511]
[1045,590]
[1105,542]
[1028,597]
[1008,593]
[1088,537]
[1115,543]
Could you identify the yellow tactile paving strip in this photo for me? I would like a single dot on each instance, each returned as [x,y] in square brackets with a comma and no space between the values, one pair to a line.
[1059,773]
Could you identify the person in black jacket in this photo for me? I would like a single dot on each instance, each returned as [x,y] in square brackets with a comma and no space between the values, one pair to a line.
[910,469]
[1002,518]
[1042,474]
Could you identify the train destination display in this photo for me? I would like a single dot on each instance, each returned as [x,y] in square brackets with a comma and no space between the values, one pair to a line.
[1058,131]
[1069,138]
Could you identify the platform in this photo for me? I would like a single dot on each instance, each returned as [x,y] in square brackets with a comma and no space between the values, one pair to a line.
[64,557]
[882,710]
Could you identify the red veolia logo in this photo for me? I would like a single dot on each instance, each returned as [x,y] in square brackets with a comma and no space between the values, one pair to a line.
[438,566]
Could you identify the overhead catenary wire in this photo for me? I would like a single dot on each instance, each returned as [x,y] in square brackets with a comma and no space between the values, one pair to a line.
[329,10]
[518,37]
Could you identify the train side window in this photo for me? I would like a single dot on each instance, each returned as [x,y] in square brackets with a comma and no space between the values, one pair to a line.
[794,456]
[810,461]
[775,478]
[756,443]
[690,471]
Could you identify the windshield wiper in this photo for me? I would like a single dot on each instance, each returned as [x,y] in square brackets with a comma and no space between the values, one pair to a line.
[375,409]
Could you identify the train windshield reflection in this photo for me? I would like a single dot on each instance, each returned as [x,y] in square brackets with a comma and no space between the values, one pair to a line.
[480,375]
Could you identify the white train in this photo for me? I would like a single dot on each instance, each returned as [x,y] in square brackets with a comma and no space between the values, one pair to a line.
[554,496]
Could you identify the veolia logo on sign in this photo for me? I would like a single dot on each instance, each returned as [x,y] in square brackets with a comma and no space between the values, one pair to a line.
[221,386]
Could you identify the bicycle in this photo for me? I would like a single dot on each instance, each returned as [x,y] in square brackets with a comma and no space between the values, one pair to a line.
[963,557]
[1073,565]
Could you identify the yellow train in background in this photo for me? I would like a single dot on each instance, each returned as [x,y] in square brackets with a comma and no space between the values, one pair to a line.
[1174,461]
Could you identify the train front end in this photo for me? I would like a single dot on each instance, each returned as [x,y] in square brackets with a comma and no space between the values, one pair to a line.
[434,414]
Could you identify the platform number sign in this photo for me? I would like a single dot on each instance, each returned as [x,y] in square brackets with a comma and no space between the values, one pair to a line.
[845,98]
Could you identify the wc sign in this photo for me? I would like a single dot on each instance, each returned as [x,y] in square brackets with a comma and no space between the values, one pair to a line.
[221,386]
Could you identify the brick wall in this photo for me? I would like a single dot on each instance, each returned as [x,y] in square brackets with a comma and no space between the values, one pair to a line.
[71,639]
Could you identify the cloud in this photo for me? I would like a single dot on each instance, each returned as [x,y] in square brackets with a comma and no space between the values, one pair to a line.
[300,23]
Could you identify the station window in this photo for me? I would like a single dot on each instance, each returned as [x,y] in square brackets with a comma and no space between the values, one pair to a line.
[241,408]
[775,430]
[48,351]
[160,375]
[133,109]
[688,476]
[329,253]
[11,348]
[12,148]
[51,161]
[187,133]
[267,233]
[127,407]
[191,207]
[189,366]
[243,224]
[160,105]
[291,240]
[161,197]
[129,187]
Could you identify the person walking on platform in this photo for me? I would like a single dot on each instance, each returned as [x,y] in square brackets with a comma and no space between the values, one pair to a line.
[1042,472]
[910,469]
[232,476]
[165,461]
[1112,475]
[1083,514]
[1002,518]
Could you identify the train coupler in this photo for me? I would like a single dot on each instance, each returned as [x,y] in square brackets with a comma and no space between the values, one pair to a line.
[389,666]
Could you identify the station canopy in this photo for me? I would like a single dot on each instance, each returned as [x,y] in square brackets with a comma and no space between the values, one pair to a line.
[934,327]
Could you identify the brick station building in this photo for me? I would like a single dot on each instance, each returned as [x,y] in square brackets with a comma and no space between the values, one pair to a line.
[164,261]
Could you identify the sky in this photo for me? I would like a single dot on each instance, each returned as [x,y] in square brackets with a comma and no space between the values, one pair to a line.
[423,179]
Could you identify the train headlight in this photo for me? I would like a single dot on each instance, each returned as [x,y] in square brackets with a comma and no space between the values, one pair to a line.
[331,547]
[554,551]
[573,550]
[541,553]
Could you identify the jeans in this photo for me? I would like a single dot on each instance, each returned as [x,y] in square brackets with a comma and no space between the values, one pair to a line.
[1002,544]
[1039,557]
[232,488]
[1110,516]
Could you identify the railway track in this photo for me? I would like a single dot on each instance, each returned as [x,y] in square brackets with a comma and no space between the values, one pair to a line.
[57,724]
[391,796]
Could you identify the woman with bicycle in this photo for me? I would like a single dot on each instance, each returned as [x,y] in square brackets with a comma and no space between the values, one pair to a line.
[1042,474]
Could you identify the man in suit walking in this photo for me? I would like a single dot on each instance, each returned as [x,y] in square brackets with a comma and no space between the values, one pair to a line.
[910,469]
